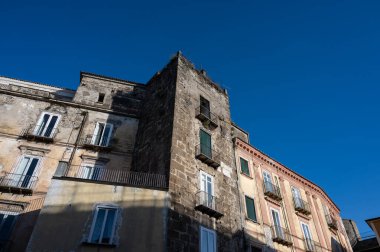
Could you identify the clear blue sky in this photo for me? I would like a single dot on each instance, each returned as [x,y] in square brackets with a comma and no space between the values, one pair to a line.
[303,76]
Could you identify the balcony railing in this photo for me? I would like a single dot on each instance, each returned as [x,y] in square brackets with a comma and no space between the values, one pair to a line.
[312,246]
[205,115]
[148,180]
[331,222]
[17,183]
[281,235]
[301,206]
[208,204]
[90,142]
[39,133]
[207,155]
[272,191]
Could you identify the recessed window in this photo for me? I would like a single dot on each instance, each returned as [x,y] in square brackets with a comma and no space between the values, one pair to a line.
[205,107]
[244,166]
[103,225]
[102,134]
[250,207]
[24,175]
[101,97]
[208,240]
[46,125]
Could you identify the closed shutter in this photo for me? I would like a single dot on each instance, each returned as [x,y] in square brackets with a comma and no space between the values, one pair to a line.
[205,144]
[244,166]
[251,211]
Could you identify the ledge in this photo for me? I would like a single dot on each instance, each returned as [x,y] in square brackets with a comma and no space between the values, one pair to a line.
[307,217]
[277,203]
[245,175]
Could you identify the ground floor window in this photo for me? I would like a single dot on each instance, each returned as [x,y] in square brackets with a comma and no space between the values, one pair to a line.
[7,221]
[208,240]
[103,225]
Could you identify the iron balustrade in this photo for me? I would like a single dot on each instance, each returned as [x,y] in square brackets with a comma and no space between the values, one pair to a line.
[331,222]
[301,206]
[100,174]
[205,115]
[312,246]
[39,132]
[17,182]
[93,142]
[208,203]
[272,190]
[281,235]
[207,155]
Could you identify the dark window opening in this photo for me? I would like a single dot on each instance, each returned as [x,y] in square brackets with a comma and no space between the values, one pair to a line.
[101,98]
[205,107]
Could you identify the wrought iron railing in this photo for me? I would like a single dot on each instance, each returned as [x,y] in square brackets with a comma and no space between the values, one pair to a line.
[118,176]
[281,235]
[13,180]
[272,190]
[208,203]
[301,205]
[207,155]
[95,141]
[39,132]
[331,222]
[204,114]
[312,246]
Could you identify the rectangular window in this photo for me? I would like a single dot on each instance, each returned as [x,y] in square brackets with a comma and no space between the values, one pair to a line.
[205,107]
[102,134]
[207,190]
[205,140]
[103,225]
[90,172]
[101,97]
[278,231]
[24,174]
[46,125]
[244,166]
[208,240]
[308,239]
[250,207]
[7,221]
[297,197]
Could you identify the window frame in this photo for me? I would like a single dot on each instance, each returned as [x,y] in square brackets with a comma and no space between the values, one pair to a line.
[113,228]
[246,208]
[39,121]
[241,170]
[95,134]
[35,172]
[202,228]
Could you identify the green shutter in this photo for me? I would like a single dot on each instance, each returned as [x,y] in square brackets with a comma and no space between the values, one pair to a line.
[244,166]
[205,144]
[251,212]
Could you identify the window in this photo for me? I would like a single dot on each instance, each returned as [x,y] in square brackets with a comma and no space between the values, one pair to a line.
[308,238]
[205,140]
[88,171]
[279,232]
[244,166]
[102,134]
[46,125]
[101,97]
[297,197]
[208,240]
[250,206]
[207,190]
[24,174]
[7,221]
[268,182]
[103,225]
[205,107]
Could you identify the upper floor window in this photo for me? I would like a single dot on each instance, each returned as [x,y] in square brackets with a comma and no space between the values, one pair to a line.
[101,97]
[102,134]
[46,125]
[24,175]
[208,240]
[89,171]
[205,143]
[309,243]
[207,189]
[7,221]
[103,225]
[205,107]
[250,207]
[244,166]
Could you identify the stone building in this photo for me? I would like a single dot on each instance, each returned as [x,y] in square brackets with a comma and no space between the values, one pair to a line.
[122,166]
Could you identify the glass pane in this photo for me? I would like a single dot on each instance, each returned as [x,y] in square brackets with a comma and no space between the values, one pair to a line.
[108,228]
[50,127]
[41,127]
[106,135]
[29,173]
[98,133]
[97,228]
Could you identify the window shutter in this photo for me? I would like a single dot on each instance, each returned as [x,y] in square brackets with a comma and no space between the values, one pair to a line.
[251,212]
[244,166]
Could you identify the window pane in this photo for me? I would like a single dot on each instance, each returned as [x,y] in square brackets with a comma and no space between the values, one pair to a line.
[106,135]
[98,133]
[108,228]
[251,212]
[50,127]
[97,230]
[41,127]
[244,166]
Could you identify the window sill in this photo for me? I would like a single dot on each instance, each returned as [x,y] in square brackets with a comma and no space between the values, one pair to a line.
[246,175]
[91,244]
[251,220]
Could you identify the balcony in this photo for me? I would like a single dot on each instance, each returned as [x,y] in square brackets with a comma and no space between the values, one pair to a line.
[272,191]
[208,204]
[207,155]
[301,206]
[206,116]
[39,133]
[331,222]
[312,246]
[281,235]
[118,177]
[92,142]
[17,183]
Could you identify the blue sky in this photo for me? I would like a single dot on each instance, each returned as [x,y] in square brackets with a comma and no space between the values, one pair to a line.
[302,75]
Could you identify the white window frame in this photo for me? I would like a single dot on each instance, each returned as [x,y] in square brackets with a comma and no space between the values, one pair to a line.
[37,128]
[202,228]
[96,132]
[202,173]
[91,169]
[204,198]
[307,243]
[279,219]
[103,224]
[19,162]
